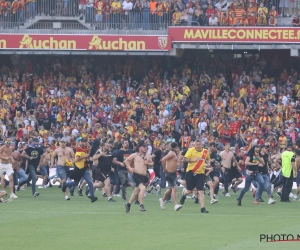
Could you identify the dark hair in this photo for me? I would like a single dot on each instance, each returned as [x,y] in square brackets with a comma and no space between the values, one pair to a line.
[174,145]
[95,147]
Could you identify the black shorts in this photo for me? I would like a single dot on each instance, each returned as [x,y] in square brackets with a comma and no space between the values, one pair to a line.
[235,174]
[171,179]
[194,181]
[214,174]
[77,173]
[101,175]
[140,179]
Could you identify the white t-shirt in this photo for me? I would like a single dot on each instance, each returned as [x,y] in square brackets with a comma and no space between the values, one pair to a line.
[202,126]
[127,6]
[213,21]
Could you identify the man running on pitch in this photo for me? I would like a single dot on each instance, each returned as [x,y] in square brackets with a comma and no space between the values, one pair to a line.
[33,153]
[227,157]
[169,163]
[103,160]
[65,157]
[119,159]
[6,161]
[197,158]
[141,162]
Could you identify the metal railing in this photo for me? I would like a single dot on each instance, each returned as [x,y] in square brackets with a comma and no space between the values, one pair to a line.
[33,15]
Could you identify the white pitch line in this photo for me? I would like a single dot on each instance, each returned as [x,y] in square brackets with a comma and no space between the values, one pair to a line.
[163,213]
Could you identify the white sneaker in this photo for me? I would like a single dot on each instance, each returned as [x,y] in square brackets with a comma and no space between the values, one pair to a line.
[271,201]
[13,196]
[177,207]
[213,201]
[291,195]
[216,196]
[41,187]
[162,204]
[272,188]
[67,198]
[295,197]
[22,188]
[54,180]
[117,195]
[228,195]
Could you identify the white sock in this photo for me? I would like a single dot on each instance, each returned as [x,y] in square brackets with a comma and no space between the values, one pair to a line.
[109,197]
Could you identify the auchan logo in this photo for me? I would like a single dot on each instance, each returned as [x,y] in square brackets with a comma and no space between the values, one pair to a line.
[119,44]
[2,44]
[31,43]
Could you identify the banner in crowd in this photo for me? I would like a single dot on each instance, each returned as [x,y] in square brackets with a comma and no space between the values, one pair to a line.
[85,42]
[235,34]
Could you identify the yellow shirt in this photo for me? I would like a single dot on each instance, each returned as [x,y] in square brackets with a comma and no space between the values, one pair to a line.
[242,91]
[186,90]
[199,166]
[115,5]
[80,164]
[152,91]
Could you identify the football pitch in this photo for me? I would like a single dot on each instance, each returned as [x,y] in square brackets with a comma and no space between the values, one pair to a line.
[50,222]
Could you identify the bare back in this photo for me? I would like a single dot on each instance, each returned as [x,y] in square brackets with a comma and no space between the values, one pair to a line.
[226,158]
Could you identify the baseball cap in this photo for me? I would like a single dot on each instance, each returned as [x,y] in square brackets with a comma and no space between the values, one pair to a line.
[36,140]
[63,140]
[290,145]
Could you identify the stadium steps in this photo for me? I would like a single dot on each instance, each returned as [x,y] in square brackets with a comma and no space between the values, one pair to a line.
[39,22]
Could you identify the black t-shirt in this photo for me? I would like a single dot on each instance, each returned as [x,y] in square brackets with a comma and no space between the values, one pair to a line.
[47,123]
[214,155]
[121,156]
[36,154]
[253,159]
[105,162]
[157,158]
[264,169]
[155,102]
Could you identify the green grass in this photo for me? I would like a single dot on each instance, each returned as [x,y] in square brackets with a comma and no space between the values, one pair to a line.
[50,222]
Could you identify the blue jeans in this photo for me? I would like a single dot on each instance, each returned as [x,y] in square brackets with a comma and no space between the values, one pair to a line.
[32,177]
[43,171]
[62,172]
[87,177]
[146,17]
[89,14]
[267,184]
[162,182]
[21,16]
[32,9]
[21,175]
[249,178]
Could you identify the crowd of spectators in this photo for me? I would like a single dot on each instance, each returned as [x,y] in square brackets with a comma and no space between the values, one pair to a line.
[154,14]
[245,101]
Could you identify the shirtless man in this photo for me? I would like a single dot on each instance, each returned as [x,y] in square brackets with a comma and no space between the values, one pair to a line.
[19,174]
[169,163]
[6,161]
[141,161]
[46,157]
[65,156]
[226,159]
